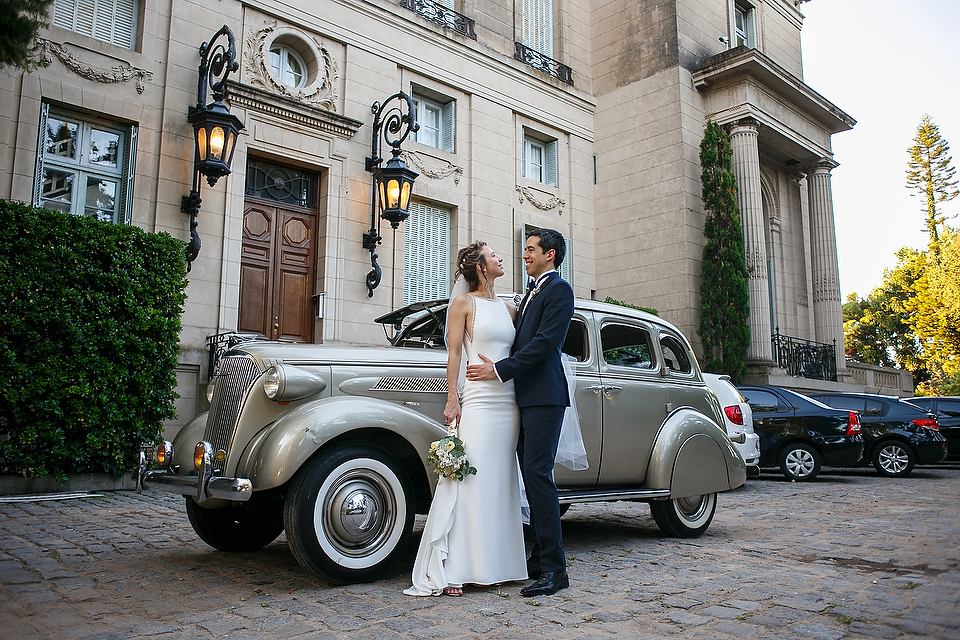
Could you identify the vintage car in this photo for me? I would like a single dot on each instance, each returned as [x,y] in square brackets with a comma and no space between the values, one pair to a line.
[329,443]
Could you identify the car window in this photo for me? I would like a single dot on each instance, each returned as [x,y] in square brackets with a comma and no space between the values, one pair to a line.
[627,346]
[949,408]
[761,401]
[675,354]
[843,402]
[575,344]
[874,408]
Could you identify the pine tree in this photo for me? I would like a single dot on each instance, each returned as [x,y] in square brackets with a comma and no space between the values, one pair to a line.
[724,296]
[930,172]
[22,19]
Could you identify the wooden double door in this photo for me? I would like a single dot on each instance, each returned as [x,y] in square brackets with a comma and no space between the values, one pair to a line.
[277,261]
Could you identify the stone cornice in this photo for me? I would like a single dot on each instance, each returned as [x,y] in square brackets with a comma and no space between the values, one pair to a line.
[253,99]
[739,63]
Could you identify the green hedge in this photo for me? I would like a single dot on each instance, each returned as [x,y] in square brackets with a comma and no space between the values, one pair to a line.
[89,335]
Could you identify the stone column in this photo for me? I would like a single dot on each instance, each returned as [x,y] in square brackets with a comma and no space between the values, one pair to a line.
[746,168]
[827,305]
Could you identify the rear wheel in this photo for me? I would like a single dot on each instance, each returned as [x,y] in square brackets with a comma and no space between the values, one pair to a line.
[893,459]
[800,462]
[349,514]
[236,527]
[685,517]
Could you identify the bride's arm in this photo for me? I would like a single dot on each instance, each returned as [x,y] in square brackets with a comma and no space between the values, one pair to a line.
[459,315]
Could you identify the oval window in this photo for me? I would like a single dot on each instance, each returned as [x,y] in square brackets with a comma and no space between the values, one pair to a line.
[288,66]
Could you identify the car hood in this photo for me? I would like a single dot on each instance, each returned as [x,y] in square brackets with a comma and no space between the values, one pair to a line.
[269,353]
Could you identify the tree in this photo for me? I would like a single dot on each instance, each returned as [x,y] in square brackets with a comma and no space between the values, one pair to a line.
[724,297]
[22,19]
[930,172]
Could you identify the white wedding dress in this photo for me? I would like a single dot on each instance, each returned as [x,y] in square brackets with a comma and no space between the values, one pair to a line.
[473,533]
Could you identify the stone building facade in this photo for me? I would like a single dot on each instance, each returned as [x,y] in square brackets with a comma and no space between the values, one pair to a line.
[581,116]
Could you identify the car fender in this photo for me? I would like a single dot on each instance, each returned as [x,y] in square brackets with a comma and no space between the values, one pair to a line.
[278,451]
[692,456]
[186,441]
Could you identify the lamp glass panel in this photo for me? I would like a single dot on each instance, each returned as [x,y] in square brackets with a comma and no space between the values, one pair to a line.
[228,154]
[393,194]
[383,197]
[216,144]
[405,196]
[202,142]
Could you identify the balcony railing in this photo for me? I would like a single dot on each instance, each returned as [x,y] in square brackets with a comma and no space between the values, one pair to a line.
[805,358]
[542,63]
[447,18]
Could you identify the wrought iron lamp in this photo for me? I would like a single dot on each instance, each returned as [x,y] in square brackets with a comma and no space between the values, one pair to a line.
[392,182]
[215,129]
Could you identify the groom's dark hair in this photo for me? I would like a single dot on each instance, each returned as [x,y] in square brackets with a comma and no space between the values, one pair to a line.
[551,239]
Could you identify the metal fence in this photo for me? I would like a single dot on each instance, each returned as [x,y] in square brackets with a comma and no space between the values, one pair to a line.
[805,358]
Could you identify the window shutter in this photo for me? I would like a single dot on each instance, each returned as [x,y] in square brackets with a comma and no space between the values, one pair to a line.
[448,128]
[550,164]
[126,184]
[537,26]
[427,254]
[125,24]
[85,17]
[41,140]
[64,12]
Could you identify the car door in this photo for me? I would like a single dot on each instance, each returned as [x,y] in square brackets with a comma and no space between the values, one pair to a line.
[773,419]
[871,412]
[633,396]
[685,389]
[583,350]
[948,415]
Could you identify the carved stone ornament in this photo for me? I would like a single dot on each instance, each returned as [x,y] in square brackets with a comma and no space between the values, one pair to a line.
[414,158]
[119,73]
[321,92]
[554,202]
[756,265]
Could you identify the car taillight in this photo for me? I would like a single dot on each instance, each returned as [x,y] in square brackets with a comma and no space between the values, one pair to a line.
[927,423]
[734,413]
[853,424]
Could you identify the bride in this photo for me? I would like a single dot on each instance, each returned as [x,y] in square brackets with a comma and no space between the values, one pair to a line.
[473,533]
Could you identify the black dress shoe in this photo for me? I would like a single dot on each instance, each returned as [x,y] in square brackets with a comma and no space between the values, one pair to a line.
[547,584]
[533,568]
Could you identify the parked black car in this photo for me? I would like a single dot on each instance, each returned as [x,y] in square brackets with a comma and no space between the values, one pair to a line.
[948,417]
[896,434]
[799,434]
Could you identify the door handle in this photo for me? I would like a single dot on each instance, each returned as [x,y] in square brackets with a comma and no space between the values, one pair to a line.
[596,388]
[779,421]
[609,390]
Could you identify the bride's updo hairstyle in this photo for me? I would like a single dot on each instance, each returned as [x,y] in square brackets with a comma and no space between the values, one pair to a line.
[467,261]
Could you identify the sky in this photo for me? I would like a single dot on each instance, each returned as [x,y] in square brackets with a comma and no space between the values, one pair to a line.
[886,63]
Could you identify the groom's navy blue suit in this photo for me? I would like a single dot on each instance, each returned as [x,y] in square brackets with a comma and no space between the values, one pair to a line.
[541,387]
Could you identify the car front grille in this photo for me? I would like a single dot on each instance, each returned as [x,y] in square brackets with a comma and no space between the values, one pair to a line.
[235,376]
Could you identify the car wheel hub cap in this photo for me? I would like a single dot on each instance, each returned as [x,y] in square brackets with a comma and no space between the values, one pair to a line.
[356,515]
[893,459]
[800,463]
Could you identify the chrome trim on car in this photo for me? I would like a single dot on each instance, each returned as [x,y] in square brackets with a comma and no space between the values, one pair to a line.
[202,486]
[414,385]
[611,495]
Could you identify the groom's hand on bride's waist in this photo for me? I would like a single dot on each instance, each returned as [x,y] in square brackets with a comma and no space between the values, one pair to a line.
[483,370]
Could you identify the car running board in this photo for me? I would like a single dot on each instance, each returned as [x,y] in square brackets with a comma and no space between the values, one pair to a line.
[612,495]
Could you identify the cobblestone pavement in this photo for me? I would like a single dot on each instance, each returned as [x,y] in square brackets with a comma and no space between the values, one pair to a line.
[851,555]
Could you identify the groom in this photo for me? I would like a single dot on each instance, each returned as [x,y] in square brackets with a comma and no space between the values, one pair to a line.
[537,371]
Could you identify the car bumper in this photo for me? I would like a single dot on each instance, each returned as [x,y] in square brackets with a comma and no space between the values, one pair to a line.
[201,486]
[931,452]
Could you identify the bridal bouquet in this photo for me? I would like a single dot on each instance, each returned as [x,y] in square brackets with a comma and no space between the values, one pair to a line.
[449,459]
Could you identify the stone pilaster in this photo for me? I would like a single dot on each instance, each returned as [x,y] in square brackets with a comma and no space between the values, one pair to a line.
[827,305]
[746,168]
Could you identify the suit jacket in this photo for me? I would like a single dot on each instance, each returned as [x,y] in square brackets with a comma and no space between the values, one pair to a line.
[534,364]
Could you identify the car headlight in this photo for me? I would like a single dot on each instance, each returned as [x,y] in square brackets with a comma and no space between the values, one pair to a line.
[164,454]
[283,383]
[202,452]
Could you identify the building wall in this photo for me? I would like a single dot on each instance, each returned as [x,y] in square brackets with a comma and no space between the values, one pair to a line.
[628,134]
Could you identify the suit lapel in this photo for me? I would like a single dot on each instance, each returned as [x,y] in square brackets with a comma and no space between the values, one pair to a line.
[526,311]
